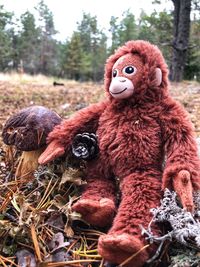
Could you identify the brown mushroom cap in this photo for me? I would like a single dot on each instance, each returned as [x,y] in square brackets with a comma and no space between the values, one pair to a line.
[28,129]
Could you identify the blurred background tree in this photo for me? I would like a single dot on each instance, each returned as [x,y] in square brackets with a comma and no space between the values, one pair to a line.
[48,50]
[29,44]
[6,51]
[180,43]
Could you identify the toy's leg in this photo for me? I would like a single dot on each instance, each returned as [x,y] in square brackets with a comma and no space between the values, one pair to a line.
[140,193]
[97,203]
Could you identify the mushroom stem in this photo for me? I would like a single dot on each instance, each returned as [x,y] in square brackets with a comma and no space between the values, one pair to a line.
[28,163]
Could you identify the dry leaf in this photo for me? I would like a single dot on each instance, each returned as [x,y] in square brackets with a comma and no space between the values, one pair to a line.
[58,256]
[57,242]
[69,231]
[25,258]
[59,201]
[56,220]
[73,176]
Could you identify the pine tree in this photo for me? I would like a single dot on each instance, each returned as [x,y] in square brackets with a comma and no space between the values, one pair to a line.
[114,30]
[128,27]
[48,45]
[5,40]
[192,67]
[86,52]
[180,44]
[73,57]
[157,29]
[28,43]
[122,31]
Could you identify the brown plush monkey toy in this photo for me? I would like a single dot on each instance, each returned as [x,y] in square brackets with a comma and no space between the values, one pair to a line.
[137,126]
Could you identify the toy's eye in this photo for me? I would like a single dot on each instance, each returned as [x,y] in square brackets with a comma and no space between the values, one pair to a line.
[129,70]
[114,73]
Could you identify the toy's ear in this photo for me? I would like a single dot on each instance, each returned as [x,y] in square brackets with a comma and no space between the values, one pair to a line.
[158,74]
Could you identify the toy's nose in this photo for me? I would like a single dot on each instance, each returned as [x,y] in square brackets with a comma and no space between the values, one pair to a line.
[122,80]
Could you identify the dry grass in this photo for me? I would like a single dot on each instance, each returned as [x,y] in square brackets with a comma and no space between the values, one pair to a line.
[16,94]
[17,78]
[188,93]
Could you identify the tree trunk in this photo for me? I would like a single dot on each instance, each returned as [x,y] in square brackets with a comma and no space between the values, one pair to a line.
[182,9]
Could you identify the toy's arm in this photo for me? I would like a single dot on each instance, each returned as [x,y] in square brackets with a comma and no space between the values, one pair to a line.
[182,168]
[60,139]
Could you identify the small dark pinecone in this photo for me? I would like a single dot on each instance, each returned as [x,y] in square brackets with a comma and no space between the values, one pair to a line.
[85,146]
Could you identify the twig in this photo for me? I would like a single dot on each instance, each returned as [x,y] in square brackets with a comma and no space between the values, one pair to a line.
[132,256]
[35,242]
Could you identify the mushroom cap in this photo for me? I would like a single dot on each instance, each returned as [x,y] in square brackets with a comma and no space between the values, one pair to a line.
[29,128]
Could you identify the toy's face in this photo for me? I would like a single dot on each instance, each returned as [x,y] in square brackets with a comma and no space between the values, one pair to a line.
[126,73]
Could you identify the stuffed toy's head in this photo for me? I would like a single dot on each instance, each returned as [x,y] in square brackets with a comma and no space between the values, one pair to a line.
[137,70]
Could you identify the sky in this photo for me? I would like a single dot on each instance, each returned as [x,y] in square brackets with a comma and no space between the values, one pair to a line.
[67,13]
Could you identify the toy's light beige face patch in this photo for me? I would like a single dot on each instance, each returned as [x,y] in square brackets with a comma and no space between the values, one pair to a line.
[126,73]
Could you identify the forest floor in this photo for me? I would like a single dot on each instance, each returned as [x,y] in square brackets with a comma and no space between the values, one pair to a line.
[17,92]
[35,216]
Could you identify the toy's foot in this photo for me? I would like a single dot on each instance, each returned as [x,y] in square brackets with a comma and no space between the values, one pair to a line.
[98,213]
[117,248]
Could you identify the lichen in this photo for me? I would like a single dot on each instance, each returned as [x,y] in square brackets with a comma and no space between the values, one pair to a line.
[184,226]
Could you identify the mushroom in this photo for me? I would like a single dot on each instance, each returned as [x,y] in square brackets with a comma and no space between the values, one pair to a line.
[27,130]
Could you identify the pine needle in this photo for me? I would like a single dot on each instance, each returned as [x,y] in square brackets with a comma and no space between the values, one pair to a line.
[133,256]
[102,262]
[88,256]
[59,264]
[35,242]
[3,260]
[46,194]
[3,263]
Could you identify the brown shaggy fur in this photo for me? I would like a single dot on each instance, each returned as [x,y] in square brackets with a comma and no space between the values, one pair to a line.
[134,135]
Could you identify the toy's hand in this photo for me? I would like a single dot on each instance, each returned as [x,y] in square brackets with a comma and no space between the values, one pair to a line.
[183,187]
[53,150]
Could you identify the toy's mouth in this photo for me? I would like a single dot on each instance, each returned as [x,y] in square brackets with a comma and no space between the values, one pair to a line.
[119,92]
